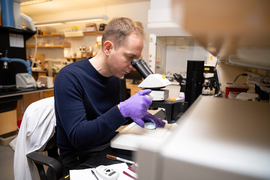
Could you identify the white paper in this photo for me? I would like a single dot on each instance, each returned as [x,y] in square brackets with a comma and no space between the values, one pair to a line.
[86,174]
[16,40]
[82,174]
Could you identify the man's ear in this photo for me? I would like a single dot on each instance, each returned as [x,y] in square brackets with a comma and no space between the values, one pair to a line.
[108,46]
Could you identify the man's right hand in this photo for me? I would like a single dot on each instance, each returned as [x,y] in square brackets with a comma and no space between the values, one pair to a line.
[136,106]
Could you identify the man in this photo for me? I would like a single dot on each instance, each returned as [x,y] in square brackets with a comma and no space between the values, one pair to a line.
[87,95]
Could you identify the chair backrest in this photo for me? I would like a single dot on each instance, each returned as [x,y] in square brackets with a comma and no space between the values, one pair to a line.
[53,161]
[52,149]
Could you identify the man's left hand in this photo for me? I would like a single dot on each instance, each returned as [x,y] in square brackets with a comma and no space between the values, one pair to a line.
[149,117]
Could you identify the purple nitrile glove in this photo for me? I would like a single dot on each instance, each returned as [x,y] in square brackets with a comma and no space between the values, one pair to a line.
[136,106]
[149,117]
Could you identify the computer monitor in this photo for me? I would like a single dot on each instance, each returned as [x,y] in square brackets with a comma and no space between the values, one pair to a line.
[135,76]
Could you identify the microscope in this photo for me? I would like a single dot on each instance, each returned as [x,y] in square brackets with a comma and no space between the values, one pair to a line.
[157,83]
[211,84]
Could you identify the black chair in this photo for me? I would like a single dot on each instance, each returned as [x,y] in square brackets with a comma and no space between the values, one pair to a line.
[52,161]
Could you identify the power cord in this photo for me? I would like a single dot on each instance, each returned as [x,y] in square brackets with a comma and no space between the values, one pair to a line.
[245,74]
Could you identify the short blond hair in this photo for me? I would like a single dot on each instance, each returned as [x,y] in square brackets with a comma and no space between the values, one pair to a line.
[118,29]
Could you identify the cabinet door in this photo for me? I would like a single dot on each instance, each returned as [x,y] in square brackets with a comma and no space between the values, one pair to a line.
[133,89]
[49,93]
[8,122]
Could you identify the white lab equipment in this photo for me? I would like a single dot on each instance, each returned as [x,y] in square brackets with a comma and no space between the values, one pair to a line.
[28,22]
[216,138]
[152,81]
[45,81]
[107,173]
[25,80]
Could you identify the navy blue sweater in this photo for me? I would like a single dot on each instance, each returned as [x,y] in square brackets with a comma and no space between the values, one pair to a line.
[85,107]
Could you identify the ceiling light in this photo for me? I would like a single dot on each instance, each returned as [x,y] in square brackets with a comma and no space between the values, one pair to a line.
[31,2]
[49,24]
[81,20]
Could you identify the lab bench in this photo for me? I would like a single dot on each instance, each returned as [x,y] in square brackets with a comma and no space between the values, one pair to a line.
[21,91]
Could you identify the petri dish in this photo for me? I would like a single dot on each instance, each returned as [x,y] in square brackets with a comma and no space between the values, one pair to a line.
[149,126]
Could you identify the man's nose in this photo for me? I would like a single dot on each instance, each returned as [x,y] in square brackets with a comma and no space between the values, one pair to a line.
[132,68]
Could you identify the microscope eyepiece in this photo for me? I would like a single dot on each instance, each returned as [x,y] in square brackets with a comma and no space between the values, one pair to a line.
[146,67]
[137,64]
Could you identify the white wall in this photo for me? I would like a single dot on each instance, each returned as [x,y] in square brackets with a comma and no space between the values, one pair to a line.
[161,20]
[136,11]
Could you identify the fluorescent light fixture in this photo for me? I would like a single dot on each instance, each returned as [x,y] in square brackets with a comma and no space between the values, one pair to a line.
[80,20]
[83,21]
[31,2]
[50,24]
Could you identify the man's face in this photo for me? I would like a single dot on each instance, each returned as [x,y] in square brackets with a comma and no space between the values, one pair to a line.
[119,61]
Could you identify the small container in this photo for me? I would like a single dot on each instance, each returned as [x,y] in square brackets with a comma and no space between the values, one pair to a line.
[90,27]
[7,14]
[39,32]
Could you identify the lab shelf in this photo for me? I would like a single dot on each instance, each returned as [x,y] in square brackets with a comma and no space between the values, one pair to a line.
[63,45]
[51,35]
[75,58]
[90,33]
[93,33]
[48,35]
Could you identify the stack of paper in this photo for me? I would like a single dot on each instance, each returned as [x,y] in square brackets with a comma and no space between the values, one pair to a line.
[86,174]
